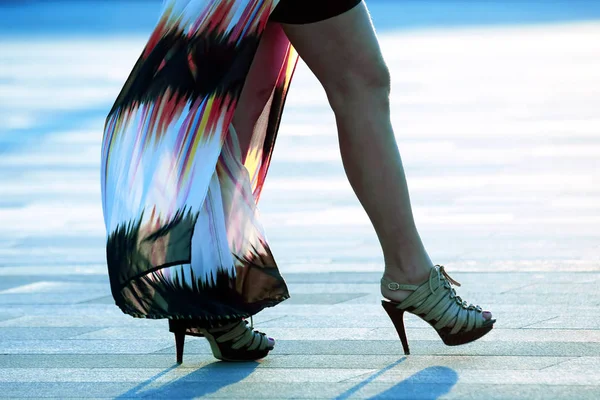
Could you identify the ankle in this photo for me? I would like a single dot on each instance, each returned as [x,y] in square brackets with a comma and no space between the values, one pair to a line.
[408,264]
[408,276]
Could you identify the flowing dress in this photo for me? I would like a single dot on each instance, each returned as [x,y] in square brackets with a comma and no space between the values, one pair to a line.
[184,239]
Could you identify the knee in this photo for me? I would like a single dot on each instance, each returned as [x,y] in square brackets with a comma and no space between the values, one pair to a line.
[367,82]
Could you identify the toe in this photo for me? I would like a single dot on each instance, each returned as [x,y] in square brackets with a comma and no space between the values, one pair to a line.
[487,315]
[271,343]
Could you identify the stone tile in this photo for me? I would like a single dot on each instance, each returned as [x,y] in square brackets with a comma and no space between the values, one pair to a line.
[333,288]
[499,278]
[217,373]
[64,346]
[552,289]
[579,365]
[377,319]
[7,315]
[100,300]
[121,333]
[296,321]
[378,334]
[496,335]
[87,390]
[54,286]
[80,317]
[194,361]
[66,361]
[278,390]
[66,271]
[490,377]
[472,285]
[572,321]
[536,391]
[323,298]
[9,282]
[39,334]
[413,362]
[417,347]
[48,298]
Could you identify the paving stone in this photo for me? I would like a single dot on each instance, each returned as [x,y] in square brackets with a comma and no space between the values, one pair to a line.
[37,334]
[406,390]
[78,390]
[377,319]
[195,361]
[415,362]
[101,360]
[417,347]
[81,317]
[7,315]
[45,286]
[491,377]
[58,346]
[521,278]
[47,298]
[574,321]
[65,271]
[100,300]
[278,390]
[580,365]
[324,298]
[496,335]
[210,373]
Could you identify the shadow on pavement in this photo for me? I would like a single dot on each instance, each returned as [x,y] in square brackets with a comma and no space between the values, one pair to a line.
[428,384]
[198,383]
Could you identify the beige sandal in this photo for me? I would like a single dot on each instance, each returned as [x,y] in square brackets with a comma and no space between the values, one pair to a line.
[233,342]
[435,301]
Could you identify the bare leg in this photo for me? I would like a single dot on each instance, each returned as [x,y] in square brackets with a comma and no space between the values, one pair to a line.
[344,54]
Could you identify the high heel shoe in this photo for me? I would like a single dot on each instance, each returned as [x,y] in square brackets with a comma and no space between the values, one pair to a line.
[435,301]
[232,342]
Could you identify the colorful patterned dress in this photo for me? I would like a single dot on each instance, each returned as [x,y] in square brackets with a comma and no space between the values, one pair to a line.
[179,197]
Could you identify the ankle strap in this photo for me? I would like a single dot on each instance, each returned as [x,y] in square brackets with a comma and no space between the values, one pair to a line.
[396,286]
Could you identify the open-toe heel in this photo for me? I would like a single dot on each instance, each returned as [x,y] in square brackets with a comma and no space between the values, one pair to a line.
[238,342]
[233,342]
[435,301]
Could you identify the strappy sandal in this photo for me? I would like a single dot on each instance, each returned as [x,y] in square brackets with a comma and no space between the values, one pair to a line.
[435,301]
[232,342]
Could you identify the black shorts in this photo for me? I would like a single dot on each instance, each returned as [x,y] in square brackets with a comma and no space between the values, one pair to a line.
[309,11]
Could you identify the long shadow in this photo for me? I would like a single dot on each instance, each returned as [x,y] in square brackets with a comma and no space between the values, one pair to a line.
[370,379]
[428,384]
[203,381]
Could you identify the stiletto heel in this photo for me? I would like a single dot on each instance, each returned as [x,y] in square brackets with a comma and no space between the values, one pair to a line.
[179,342]
[435,301]
[397,317]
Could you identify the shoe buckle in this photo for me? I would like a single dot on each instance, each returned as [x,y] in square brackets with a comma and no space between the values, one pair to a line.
[393,286]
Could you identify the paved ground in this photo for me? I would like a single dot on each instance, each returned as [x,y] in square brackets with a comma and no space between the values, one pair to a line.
[500,132]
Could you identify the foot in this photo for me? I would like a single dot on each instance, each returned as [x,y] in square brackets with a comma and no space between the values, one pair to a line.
[238,342]
[417,278]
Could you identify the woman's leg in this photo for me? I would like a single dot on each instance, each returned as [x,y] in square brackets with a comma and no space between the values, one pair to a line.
[344,54]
